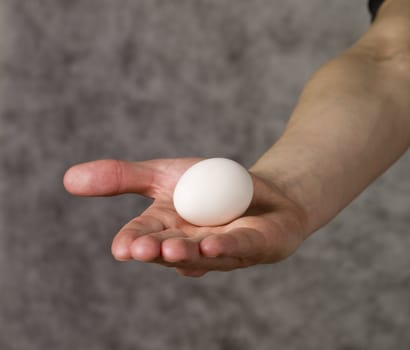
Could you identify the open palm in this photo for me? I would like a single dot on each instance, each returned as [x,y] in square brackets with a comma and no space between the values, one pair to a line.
[269,231]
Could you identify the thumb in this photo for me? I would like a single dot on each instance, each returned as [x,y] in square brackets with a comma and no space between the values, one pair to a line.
[112,177]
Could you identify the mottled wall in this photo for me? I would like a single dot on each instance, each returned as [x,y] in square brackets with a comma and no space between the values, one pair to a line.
[87,79]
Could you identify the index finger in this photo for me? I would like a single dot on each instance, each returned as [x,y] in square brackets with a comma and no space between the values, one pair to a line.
[137,227]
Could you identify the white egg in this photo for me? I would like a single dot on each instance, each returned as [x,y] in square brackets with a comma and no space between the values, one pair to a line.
[213,192]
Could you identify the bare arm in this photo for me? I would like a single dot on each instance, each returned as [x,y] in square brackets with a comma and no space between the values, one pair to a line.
[351,123]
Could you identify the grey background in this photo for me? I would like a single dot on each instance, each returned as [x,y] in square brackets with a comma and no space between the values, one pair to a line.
[88,79]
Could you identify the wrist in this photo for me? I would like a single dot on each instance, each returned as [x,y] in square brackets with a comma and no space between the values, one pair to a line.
[280,194]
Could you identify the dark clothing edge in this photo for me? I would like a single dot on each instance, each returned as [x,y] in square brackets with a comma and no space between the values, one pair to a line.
[374,6]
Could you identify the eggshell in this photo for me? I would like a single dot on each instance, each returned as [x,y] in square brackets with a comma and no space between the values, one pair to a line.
[213,192]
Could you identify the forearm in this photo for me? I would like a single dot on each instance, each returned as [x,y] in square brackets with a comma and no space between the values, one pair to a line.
[350,124]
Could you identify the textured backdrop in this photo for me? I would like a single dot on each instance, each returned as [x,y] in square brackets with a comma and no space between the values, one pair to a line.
[87,79]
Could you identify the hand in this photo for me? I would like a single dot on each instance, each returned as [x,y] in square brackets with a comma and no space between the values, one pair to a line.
[269,231]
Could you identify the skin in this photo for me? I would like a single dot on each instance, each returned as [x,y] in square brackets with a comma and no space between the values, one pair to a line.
[350,124]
